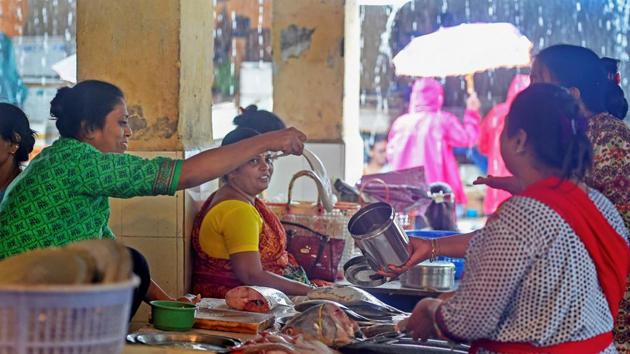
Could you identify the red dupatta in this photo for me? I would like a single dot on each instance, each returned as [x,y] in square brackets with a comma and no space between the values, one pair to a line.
[213,277]
[608,250]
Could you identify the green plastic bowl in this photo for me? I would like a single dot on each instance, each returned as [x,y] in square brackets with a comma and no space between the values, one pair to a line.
[172,315]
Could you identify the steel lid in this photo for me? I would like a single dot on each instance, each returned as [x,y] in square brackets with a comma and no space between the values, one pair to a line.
[358,272]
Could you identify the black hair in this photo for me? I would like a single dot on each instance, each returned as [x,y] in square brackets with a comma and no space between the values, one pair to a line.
[615,101]
[377,139]
[555,128]
[440,214]
[237,135]
[579,67]
[259,120]
[14,128]
[614,98]
[84,107]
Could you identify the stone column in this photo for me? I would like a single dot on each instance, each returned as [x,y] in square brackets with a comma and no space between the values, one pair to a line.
[159,52]
[316,83]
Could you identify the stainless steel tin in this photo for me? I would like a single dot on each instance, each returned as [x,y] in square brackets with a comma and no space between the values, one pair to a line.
[379,237]
[438,275]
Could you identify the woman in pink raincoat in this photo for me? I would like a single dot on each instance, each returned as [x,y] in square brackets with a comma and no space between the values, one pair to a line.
[489,143]
[427,135]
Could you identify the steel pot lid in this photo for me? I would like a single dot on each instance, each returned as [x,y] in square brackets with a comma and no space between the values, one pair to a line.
[432,268]
[436,264]
[358,272]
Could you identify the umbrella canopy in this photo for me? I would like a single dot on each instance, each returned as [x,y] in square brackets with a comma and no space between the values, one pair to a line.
[464,49]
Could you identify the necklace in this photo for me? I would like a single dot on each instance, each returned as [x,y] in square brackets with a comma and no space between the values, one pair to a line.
[250,199]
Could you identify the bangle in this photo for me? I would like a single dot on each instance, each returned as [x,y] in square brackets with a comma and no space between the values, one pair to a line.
[434,250]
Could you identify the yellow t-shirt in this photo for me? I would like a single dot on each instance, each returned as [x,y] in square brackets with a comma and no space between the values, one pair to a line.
[230,227]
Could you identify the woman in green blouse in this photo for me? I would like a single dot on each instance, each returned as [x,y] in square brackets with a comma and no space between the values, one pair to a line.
[63,195]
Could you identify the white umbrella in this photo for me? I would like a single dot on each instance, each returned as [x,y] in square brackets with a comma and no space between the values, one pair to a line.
[464,50]
[67,68]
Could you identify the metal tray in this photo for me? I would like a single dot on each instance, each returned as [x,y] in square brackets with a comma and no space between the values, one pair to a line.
[399,343]
[202,342]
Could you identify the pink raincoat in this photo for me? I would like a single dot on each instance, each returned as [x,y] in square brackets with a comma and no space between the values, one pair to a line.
[427,135]
[490,142]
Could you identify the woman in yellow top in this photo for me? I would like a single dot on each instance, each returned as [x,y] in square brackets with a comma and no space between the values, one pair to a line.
[237,240]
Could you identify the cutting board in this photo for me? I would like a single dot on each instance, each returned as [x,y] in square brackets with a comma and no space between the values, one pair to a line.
[232,320]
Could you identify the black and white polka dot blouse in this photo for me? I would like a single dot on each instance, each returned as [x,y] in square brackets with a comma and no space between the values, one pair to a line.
[529,278]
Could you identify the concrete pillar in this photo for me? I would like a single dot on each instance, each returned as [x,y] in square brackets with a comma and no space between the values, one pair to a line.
[316,84]
[159,52]
[308,46]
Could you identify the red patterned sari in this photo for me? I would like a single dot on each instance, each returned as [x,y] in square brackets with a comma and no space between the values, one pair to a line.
[213,277]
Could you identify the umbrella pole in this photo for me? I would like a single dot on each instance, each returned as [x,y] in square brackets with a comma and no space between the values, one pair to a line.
[470,84]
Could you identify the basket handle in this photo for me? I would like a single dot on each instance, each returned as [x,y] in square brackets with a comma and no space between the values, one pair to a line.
[313,176]
[372,181]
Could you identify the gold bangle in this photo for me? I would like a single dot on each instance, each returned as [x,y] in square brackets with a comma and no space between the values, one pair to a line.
[434,250]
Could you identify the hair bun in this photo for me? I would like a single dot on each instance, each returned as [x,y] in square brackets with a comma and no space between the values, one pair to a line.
[251,108]
[246,113]
[56,105]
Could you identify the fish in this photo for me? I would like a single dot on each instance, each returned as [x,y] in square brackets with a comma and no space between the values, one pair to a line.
[326,323]
[303,306]
[380,329]
[356,299]
[282,344]
[256,298]
[84,262]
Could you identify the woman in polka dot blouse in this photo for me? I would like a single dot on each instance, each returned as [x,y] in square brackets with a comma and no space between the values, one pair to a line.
[548,270]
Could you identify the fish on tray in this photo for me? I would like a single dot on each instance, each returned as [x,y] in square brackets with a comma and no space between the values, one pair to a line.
[282,344]
[304,305]
[255,298]
[356,299]
[326,323]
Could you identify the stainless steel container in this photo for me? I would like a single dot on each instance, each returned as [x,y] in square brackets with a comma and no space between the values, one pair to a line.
[438,275]
[380,239]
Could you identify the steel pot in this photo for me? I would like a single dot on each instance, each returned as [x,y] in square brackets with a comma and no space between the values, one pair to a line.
[378,236]
[438,275]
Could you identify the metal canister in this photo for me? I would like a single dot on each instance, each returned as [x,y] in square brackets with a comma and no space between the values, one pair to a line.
[379,237]
[438,275]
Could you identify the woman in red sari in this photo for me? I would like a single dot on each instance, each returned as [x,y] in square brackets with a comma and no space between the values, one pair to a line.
[237,240]
[547,272]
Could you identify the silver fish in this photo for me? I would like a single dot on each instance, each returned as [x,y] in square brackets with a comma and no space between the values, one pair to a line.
[356,299]
[326,323]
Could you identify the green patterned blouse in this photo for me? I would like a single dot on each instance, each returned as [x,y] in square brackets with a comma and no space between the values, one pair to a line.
[63,194]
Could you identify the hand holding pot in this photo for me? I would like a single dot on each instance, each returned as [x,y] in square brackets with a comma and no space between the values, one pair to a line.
[419,250]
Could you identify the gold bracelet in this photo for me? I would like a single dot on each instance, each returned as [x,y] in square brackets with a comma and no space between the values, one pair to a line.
[434,250]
